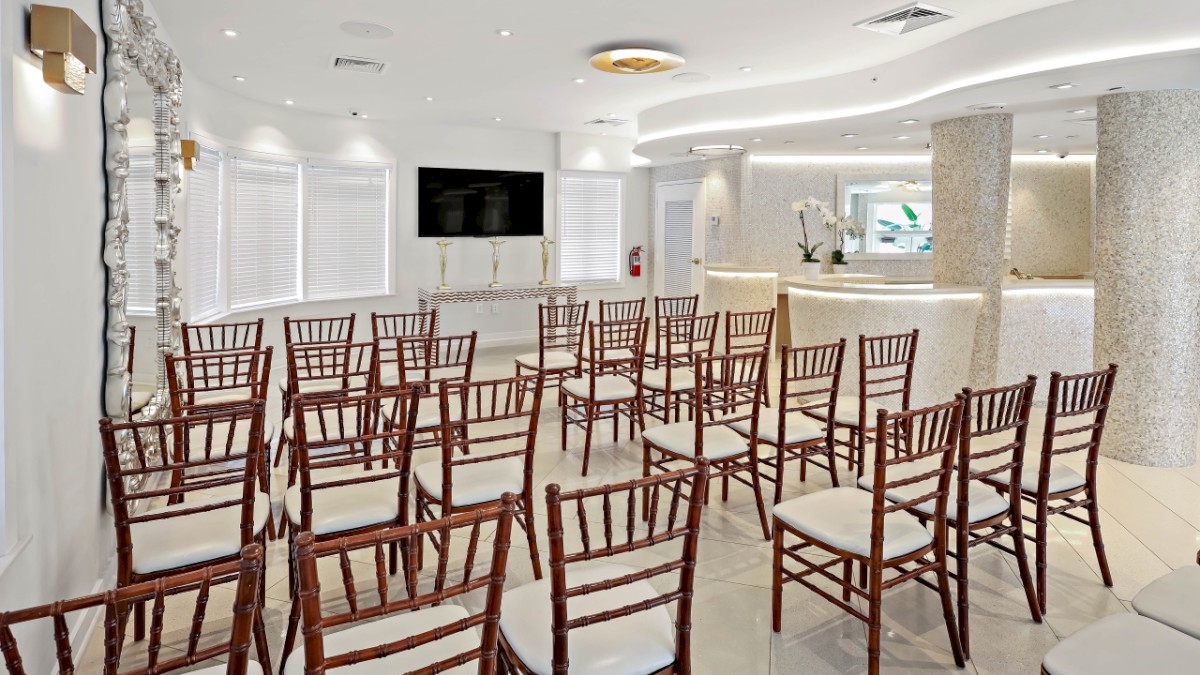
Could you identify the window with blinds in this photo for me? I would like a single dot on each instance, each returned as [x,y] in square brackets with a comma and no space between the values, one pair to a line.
[143,235]
[264,232]
[346,231]
[589,229]
[204,235]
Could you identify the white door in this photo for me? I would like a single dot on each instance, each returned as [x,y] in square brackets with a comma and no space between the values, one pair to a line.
[679,239]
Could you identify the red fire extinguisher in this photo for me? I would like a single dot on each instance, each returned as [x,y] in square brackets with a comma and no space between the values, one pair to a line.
[635,262]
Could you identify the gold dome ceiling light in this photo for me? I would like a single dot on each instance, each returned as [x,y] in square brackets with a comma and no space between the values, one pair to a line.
[635,61]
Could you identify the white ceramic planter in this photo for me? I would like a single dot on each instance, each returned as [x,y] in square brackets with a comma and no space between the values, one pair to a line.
[812,270]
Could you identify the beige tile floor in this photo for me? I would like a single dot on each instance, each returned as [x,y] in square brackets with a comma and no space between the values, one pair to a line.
[1151,525]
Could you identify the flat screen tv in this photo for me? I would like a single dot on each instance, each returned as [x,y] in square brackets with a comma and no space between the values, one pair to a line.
[474,203]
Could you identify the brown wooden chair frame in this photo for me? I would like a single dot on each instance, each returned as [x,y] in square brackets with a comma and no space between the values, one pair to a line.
[221,337]
[560,328]
[217,373]
[428,358]
[683,341]
[673,307]
[303,332]
[404,324]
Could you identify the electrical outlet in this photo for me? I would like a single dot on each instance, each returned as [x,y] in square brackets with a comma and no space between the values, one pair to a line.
[479,308]
[495,308]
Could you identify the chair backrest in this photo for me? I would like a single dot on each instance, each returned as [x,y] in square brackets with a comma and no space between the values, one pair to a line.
[729,390]
[312,331]
[149,459]
[749,330]
[221,337]
[995,423]
[809,380]
[622,310]
[412,324]
[680,509]
[932,435]
[423,361]
[561,328]
[331,368]
[370,597]
[217,378]
[1077,404]
[684,305]
[617,348]
[365,437]
[489,421]
[885,368]
[234,647]
[686,339]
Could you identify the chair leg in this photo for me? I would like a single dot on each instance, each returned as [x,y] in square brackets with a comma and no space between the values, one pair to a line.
[260,639]
[139,621]
[943,577]
[758,500]
[565,412]
[1040,554]
[777,581]
[1031,597]
[587,435]
[289,640]
[531,536]
[962,563]
[1097,540]
[874,618]
[394,558]
[279,449]
[725,487]
[847,578]
[780,460]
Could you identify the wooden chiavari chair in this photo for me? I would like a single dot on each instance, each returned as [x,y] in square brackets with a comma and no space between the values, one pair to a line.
[622,310]
[206,519]
[1056,489]
[384,635]
[885,372]
[809,378]
[204,380]
[113,605]
[138,398]
[620,623]
[611,388]
[423,363]
[489,433]
[560,344]
[749,331]
[353,455]
[728,391]
[305,332]
[671,382]
[866,527]
[668,308]
[221,337]
[410,324]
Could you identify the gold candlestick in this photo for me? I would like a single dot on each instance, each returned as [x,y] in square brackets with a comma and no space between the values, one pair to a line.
[496,243]
[442,244]
[547,242]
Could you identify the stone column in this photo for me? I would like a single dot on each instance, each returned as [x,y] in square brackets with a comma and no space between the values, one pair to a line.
[972,161]
[1147,274]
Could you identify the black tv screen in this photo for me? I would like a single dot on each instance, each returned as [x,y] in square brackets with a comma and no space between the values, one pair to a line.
[474,203]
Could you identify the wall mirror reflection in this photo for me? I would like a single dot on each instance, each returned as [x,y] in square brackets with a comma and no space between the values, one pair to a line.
[896,212]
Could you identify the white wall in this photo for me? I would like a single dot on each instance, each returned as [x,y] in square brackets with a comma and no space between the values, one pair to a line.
[53,324]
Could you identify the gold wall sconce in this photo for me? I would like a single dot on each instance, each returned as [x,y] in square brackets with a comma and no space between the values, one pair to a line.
[65,44]
[189,151]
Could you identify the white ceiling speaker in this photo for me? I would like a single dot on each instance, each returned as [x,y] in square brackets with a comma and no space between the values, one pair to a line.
[635,61]
[367,31]
[905,19]
[358,64]
[689,78]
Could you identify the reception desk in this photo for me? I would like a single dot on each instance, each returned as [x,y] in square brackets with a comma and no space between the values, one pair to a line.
[1046,325]
[739,288]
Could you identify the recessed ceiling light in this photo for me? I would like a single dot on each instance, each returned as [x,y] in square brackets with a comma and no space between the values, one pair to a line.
[289,102]
[909,121]
[504,32]
[862,147]
[603,133]
[612,115]
[239,78]
[1064,85]
[229,32]
[902,138]
[1042,152]
[745,69]
[1042,136]
[635,61]
[364,116]
[428,98]
[756,140]
[578,80]
[497,119]
[1077,111]
[849,135]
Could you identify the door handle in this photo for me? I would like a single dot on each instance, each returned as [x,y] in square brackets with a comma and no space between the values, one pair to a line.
[695,261]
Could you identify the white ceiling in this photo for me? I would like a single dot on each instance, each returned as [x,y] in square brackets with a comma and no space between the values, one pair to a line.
[449,50]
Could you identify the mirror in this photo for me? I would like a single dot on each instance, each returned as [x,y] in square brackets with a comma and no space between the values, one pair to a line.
[142,95]
[896,212]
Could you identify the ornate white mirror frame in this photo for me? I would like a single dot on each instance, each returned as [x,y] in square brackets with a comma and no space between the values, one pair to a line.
[133,48]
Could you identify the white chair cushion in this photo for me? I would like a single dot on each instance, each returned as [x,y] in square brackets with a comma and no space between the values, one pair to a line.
[800,427]
[169,543]
[1121,644]
[1062,477]
[1174,600]
[223,396]
[846,410]
[982,501]
[641,643]
[554,360]
[332,415]
[330,384]
[397,627]
[680,438]
[610,355]
[429,414]
[139,399]
[347,507]
[477,483]
[841,517]
[608,388]
[252,668]
[682,379]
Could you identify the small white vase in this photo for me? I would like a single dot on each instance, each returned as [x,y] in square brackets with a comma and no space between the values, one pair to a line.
[812,270]
[844,268]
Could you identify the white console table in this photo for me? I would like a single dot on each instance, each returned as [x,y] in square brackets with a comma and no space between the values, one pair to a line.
[432,299]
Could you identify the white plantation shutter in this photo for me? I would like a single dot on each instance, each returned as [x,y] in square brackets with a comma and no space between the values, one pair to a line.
[589,230]
[1008,227]
[204,235]
[143,235]
[346,233]
[677,248]
[264,232]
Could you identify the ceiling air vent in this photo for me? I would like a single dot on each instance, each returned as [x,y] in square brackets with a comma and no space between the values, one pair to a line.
[905,19]
[358,64]
[610,121]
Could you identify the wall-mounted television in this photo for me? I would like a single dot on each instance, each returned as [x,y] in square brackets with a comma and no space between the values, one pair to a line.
[475,203]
